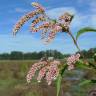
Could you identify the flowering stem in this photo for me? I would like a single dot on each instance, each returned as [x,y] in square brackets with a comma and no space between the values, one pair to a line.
[75,42]
[63,70]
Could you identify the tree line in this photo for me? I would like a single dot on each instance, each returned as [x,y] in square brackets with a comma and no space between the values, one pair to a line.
[17,55]
[89,53]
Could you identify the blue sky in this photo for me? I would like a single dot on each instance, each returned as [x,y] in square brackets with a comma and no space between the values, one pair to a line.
[12,10]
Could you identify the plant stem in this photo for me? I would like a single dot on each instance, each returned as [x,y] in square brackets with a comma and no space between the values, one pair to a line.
[75,42]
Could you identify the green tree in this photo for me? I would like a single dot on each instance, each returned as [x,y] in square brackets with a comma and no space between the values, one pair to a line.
[16,55]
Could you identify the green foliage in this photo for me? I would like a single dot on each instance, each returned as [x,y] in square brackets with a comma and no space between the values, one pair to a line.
[16,55]
[4,56]
[59,79]
[84,30]
[94,57]
[92,65]
[13,82]
[63,69]
[88,54]
[93,81]
[80,64]
[83,82]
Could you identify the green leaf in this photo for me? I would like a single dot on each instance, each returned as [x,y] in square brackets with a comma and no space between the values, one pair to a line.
[93,81]
[84,82]
[84,30]
[59,79]
[63,69]
[80,64]
[92,65]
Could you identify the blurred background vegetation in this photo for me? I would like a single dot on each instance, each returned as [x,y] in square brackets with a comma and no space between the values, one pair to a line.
[17,55]
[15,65]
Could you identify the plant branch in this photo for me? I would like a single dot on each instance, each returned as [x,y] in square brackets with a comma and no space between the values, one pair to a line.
[75,42]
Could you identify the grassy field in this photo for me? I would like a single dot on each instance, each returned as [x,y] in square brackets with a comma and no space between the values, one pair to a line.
[13,81]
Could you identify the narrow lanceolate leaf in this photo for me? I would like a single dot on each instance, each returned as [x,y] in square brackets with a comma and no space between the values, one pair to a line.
[84,82]
[80,64]
[59,79]
[84,30]
[63,69]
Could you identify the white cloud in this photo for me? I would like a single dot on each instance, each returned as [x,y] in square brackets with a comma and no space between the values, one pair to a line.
[93,20]
[20,43]
[20,10]
[80,19]
[56,12]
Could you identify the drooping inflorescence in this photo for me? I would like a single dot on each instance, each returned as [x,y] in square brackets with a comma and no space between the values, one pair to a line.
[72,60]
[21,22]
[49,27]
[34,68]
[65,20]
[47,70]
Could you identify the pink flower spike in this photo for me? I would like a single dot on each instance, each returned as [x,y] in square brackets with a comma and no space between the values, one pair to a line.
[37,5]
[52,72]
[47,69]
[71,67]
[72,60]
[34,68]
[42,73]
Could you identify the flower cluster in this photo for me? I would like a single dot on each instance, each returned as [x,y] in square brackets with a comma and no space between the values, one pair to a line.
[65,20]
[34,68]
[49,27]
[39,10]
[44,32]
[46,27]
[47,69]
[37,20]
[53,71]
[24,19]
[72,60]
[66,17]
[53,32]
[41,27]
[37,5]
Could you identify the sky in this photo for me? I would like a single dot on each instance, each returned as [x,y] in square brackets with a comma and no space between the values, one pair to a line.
[12,10]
